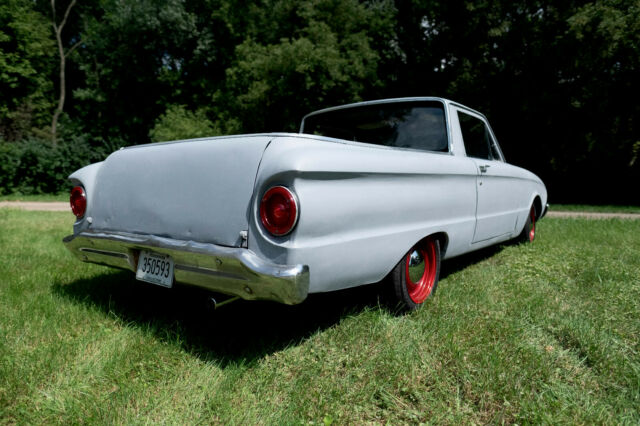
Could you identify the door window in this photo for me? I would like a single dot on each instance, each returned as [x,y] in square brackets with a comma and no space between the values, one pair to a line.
[477,139]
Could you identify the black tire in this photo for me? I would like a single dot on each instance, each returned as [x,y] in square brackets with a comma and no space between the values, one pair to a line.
[528,233]
[411,288]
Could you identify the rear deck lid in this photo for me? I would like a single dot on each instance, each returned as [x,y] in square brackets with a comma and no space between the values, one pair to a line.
[197,190]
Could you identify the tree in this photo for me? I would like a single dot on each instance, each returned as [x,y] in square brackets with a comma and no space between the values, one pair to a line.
[321,55]
[179,123]
[603,78]
[556,79]
[25,63]
[134,58]
[57,28]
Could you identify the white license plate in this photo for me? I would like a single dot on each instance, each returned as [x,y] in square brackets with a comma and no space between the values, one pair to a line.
[155,268]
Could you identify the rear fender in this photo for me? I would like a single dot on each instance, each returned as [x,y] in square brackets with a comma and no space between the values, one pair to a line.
[85,177]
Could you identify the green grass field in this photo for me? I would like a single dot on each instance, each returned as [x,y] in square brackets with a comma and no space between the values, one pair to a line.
[547,332]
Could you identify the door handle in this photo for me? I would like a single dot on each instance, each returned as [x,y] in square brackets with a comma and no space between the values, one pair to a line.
[483,168]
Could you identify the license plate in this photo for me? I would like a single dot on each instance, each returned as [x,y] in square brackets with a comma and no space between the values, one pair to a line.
[155,268]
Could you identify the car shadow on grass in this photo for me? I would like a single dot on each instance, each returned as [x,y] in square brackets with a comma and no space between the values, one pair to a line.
[240,332]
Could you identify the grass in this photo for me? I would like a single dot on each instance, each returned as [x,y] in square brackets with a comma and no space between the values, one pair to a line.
[541,333]
[594,208]
[35,197]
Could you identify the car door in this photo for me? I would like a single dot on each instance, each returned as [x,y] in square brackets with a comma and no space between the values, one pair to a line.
[496,210]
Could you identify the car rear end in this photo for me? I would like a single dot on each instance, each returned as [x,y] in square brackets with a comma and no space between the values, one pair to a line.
[179,212]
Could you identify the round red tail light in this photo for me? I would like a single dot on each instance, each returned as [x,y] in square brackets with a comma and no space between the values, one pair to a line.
[78,201]
[279,210]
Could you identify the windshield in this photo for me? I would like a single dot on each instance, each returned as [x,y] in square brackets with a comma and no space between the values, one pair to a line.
[419,125]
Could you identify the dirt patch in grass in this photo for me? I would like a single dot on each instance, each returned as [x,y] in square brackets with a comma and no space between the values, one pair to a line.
[43,206]
[593,215]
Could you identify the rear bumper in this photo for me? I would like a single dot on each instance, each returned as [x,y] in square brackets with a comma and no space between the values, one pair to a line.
[229,270]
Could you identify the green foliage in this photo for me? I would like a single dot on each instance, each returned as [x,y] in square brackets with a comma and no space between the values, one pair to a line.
[326,59]
[26,57]
[558,80]
[134,60]
[615,23]
[35,166]
[179,123]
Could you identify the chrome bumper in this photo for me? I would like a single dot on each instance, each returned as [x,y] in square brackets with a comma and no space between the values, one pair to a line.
[229,270]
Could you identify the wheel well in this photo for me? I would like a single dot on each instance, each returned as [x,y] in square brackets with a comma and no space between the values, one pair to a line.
[443,239]
[537,204]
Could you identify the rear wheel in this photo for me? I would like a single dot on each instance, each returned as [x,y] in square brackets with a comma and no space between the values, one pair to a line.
[416,276]
[528,233]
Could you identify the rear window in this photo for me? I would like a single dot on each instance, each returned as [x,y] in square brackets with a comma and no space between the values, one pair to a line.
[419,125]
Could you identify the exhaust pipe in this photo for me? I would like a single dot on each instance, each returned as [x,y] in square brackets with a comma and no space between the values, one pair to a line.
[213,304]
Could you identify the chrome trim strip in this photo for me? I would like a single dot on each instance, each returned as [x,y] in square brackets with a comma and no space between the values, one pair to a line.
[230,270]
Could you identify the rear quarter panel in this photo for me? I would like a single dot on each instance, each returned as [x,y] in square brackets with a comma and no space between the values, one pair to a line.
[362,207]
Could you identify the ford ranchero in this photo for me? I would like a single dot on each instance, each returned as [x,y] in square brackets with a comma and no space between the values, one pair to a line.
[366,191]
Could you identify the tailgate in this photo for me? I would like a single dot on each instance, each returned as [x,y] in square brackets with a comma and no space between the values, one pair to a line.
[196,190]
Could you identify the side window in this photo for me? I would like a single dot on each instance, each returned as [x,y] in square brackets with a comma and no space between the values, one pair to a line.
[477,139]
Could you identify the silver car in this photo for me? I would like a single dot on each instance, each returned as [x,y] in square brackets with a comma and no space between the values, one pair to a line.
[365,191]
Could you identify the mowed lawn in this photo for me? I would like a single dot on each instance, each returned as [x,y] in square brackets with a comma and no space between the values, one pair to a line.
[546,332]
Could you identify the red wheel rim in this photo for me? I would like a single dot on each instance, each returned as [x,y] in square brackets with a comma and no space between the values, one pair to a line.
[420,271]
[532,230]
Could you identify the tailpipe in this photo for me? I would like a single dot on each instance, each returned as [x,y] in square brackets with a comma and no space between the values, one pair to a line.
[213,303]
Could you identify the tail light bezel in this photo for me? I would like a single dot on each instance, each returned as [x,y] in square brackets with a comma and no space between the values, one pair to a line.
[279,230]
[79,207]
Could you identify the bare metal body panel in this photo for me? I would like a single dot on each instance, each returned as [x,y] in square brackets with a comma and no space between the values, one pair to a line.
[197,190]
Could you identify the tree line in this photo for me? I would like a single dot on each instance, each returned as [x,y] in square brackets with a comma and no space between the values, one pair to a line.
[557,80]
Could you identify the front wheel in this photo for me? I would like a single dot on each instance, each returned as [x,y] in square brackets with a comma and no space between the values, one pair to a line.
[416,276]
[528,233]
